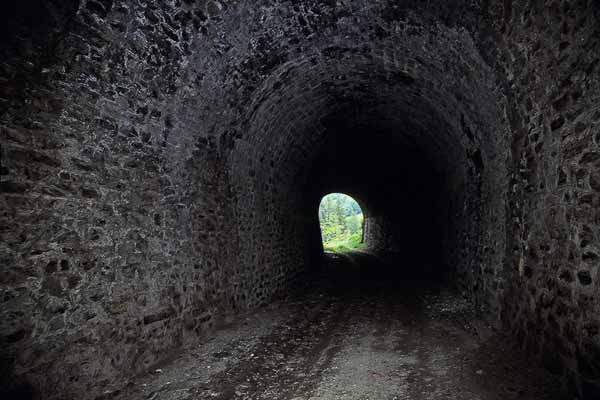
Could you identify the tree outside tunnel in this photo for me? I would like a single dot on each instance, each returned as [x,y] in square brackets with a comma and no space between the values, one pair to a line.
[341,220]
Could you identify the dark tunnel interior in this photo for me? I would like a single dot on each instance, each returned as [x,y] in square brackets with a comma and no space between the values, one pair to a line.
[162,165]
[403,196]
[413,157]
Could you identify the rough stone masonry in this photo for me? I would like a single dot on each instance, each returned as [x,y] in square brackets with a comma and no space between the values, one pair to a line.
[162,163]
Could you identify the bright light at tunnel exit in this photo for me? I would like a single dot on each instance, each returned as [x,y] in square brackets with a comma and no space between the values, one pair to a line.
[341,220]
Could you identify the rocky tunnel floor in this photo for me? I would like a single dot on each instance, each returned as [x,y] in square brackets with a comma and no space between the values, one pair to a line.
[352,335]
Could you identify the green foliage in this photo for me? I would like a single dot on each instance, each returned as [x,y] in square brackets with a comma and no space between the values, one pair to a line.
[341,222]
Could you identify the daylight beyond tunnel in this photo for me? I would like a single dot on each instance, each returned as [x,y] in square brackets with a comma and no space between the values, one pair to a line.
[341,221]
[405,198]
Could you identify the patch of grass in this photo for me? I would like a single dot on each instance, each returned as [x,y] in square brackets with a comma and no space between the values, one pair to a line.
[339,246]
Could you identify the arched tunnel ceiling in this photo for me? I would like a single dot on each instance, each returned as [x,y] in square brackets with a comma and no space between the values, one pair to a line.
[430,93]
[425,87]
[411,91]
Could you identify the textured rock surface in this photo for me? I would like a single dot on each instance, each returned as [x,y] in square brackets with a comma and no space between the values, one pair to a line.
[331,344]
[162,166]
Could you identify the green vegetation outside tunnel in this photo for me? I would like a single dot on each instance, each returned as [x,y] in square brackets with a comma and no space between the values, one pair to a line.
[341,220]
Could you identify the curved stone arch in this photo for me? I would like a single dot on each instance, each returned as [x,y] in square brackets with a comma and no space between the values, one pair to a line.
[287,116]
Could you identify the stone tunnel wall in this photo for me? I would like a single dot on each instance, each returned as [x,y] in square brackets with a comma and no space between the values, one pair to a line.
[550,54]
[111,257]
[155,166]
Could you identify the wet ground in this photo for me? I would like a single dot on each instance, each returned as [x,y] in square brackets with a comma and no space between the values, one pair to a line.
[354,335]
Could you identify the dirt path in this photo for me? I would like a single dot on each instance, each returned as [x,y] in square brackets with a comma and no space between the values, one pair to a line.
[360,338]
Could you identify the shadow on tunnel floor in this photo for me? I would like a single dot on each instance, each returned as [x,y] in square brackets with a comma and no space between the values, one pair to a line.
[426,300]
[359,328]
[366,270]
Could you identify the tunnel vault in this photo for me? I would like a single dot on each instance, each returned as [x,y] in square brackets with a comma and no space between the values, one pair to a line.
[162,161]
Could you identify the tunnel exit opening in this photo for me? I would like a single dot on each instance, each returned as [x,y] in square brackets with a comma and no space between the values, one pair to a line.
[341,223]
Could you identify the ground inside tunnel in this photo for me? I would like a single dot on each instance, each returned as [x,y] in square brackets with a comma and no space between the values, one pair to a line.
[359,330]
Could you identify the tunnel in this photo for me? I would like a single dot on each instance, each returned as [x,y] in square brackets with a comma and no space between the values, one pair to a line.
[404,144]
[163,163]
[397,179]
